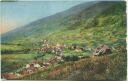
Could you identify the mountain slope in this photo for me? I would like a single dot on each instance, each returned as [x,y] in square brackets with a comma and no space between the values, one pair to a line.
[105,22]
[43,25]
[70,18]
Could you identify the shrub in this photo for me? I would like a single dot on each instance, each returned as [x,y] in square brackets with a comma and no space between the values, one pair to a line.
[71,58]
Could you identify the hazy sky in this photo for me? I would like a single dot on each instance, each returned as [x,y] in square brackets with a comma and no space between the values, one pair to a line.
[17,14]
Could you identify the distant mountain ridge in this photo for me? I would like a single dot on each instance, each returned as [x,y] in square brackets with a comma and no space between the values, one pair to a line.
[67,19]
[29,28]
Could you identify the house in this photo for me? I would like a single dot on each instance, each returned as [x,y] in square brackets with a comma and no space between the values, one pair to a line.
[58,58]
[37,66]
[101,50]
[78,50]
[30,71]
[18,75]
[27,66]
[8,75]
[46,64]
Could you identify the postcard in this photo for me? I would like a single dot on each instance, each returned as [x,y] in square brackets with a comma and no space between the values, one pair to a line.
[63,40]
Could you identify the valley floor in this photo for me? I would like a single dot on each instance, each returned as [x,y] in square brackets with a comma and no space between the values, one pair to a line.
[67,63]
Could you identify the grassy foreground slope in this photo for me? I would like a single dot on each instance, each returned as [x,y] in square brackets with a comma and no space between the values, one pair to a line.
[95,68]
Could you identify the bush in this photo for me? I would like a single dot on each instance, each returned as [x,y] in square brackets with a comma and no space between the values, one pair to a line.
[71,58]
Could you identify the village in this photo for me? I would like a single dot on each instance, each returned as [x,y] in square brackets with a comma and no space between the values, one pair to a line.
[57,50]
